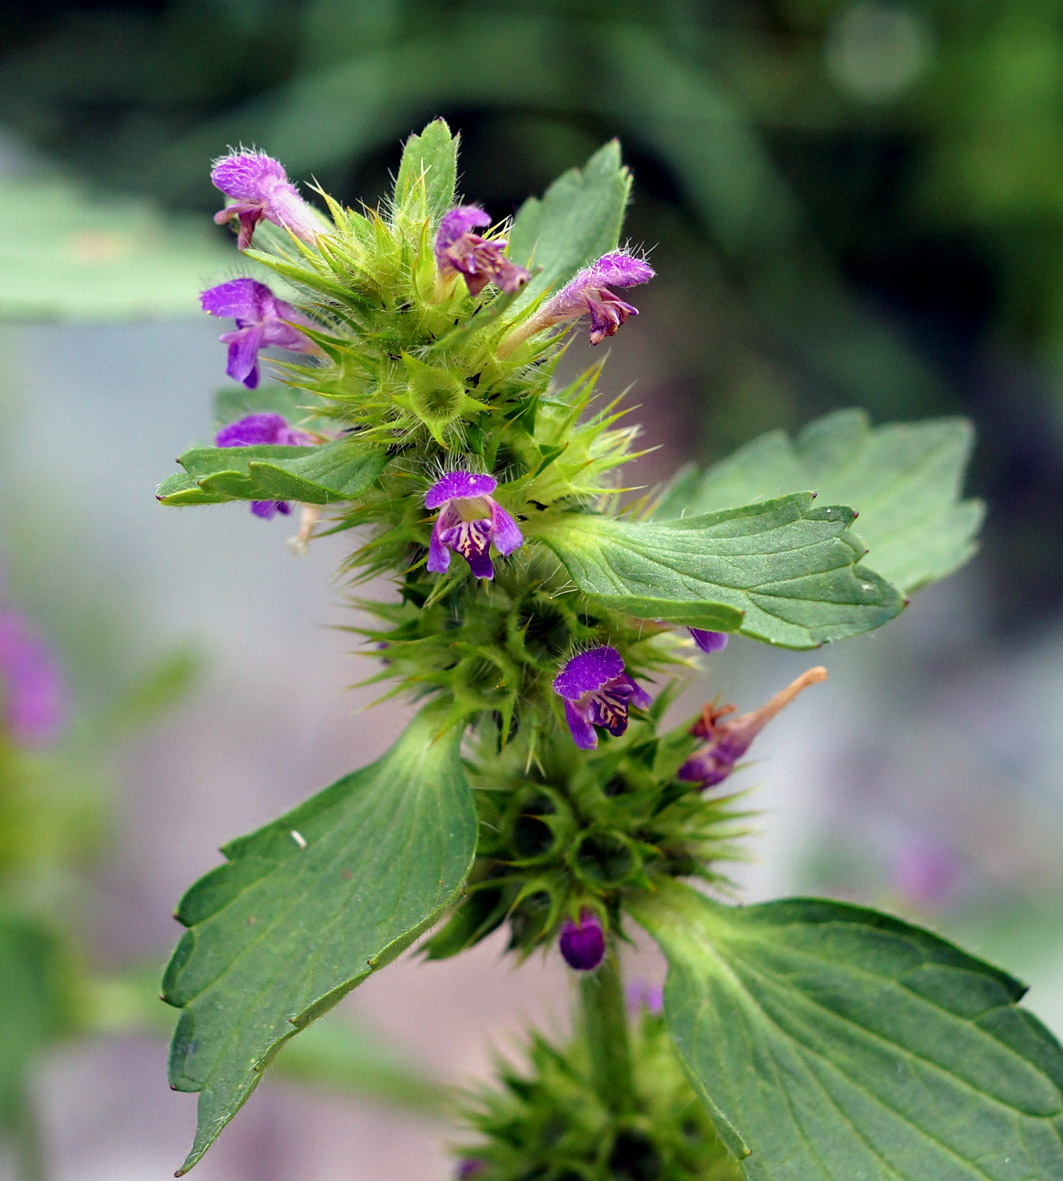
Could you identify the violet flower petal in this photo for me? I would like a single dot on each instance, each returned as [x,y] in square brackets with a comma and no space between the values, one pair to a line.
[460,220]
[459,486]
[588,672]
[505,534]
[583,733]
[708,641]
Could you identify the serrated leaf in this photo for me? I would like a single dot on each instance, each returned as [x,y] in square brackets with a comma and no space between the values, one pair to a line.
[306,907]
[781,571]
[831,1042]
[433,156]
[333,471]
[904,480]
[575,222]
[70,254]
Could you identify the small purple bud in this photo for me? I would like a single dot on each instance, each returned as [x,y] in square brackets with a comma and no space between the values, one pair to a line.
[33,699]
[708,641]
[260,189]
[261,320]
[469,521]
[270,430]
[597,692]
[588,294]
[470,1167]
[461,251]
[729,740]
[583,944]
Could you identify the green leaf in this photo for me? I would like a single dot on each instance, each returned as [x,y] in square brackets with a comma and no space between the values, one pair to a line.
[781,571]
[334,471]
[831,1042]
[904,479]
[68,254]
[577,221]
[306,907]
[433,156]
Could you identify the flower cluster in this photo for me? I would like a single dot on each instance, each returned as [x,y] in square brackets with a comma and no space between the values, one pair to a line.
[467,403]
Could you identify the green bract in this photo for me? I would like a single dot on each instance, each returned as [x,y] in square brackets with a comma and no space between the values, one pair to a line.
[824,1041]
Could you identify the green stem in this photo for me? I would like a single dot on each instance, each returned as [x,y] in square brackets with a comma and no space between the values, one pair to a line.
[29,1150]
[605,1026]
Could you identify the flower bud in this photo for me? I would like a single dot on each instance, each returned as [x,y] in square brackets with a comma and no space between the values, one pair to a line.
[583,944]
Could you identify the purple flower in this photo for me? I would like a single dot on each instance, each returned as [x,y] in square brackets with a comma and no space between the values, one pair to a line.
[926,873]
[469,521]
[729,740]
[470,1167]
[260,189]
[256,429]
[588,295]
[261,320]
[33,702]
[708,641]
[597,692]
[459,251]
[583,944]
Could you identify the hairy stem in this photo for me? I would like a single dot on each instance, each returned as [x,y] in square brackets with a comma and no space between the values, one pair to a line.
[605,1025]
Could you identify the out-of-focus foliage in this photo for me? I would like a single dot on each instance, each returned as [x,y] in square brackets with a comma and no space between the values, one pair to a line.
[66,253]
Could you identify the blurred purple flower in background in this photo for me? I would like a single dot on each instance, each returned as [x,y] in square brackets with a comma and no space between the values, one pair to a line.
[33,695]
[925,872]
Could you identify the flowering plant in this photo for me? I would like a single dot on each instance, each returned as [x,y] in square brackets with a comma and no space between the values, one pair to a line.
[539,786]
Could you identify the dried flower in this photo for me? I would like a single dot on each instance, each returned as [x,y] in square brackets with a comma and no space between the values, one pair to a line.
[460,251]
[261,320]
[597,692]
[583,944]
[258,429]
[729,740]
[470,520]
[260,189]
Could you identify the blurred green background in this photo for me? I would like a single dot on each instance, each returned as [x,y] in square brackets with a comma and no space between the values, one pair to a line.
[847,203]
